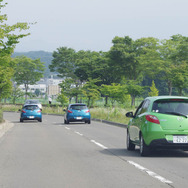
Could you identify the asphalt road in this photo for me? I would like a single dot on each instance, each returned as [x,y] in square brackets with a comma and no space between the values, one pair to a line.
[54,155]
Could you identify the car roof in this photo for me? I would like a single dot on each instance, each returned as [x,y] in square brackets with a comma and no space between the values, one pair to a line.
[30,105]
[165,97]
[77,104]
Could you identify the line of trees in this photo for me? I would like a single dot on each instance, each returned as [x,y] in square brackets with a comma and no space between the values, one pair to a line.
[22,70]
[125,69]
[121,74]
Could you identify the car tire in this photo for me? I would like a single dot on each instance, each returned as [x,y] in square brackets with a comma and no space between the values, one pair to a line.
[144,149]
[21,120]
[130,145]
[40,120]
[89,122]
[65,122]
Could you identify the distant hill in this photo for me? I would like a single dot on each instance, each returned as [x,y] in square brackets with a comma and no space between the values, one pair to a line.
[45,57]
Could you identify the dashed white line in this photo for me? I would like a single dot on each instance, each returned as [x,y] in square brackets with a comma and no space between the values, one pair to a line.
[100,145]
[143,169]
[78,133]
[150,173]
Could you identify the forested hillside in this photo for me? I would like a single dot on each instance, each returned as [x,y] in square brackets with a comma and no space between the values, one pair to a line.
[45,57]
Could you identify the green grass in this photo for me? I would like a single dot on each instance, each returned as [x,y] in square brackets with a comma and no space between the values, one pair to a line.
[1,116]
[109,114]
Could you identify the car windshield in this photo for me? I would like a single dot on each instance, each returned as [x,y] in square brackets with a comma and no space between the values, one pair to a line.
[31,107]
[78,107]
[171,106]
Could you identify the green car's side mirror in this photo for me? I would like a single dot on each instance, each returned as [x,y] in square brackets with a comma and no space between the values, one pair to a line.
[129,114]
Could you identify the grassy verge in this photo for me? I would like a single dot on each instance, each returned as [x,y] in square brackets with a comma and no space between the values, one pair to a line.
[1,116]
[109,114]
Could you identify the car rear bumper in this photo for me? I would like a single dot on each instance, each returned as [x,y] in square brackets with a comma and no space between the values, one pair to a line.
[31,117]
[163,143]
[79,120]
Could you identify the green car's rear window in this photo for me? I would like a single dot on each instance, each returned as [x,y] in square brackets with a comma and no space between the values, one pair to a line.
[171,105]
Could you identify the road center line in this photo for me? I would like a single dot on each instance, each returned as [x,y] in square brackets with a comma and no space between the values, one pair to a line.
[98,144]
[78,133]
[150,173]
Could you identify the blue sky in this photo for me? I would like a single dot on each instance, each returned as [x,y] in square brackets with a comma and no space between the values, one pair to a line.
[92,24]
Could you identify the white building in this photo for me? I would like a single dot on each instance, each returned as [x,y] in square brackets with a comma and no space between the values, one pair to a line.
[33,88]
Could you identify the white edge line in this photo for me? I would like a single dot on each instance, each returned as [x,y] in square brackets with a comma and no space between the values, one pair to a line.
[98,144]
[67,128]
[150,173]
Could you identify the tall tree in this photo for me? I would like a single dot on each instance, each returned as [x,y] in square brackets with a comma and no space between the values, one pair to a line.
[63,62]
[28,71]
[8,41]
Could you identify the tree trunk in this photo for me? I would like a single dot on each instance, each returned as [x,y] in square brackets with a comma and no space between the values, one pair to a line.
[132,100]
[169,87]
[106,100]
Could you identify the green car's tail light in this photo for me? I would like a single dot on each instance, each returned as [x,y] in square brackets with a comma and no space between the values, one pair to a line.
[23,111]
[87,111]
[152,119]
[69,111]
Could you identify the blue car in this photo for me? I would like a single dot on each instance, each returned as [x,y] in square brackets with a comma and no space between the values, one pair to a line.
[31,112]
[77,112]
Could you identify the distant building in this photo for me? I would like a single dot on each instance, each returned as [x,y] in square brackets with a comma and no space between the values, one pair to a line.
[53,90]
[33,88]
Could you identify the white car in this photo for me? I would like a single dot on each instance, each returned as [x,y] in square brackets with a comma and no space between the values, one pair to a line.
[33,101]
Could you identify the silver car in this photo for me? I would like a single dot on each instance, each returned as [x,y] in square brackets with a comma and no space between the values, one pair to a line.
[33,101]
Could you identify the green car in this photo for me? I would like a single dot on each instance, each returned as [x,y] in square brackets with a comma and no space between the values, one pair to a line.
[159,122]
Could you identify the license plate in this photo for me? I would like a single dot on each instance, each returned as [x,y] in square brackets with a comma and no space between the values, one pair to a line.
[78,117]
[31,117]
[180,139]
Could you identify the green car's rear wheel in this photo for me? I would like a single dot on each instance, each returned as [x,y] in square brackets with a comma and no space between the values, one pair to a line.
[144,149]
[130,145]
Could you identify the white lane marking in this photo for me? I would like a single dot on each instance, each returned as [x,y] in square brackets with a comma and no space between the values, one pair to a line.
[98,144]
[78,133]
[150,173]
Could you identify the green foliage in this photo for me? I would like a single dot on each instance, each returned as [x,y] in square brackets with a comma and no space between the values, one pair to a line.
[62,98]
[8,41]
[45,57]
[134,89]
[90,91]
[28,71]
[63,62]
[115,92]
[16,94]
[153,90]
[1,116]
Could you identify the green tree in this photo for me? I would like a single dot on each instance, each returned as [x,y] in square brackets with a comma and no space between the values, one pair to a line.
[28,71]
[165,61]
[94,65]
[134,90]
[5,82]
[8,41]
[115,92]
[153,90]
[63,62]
[16,93]
[91,91]
[62,98]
